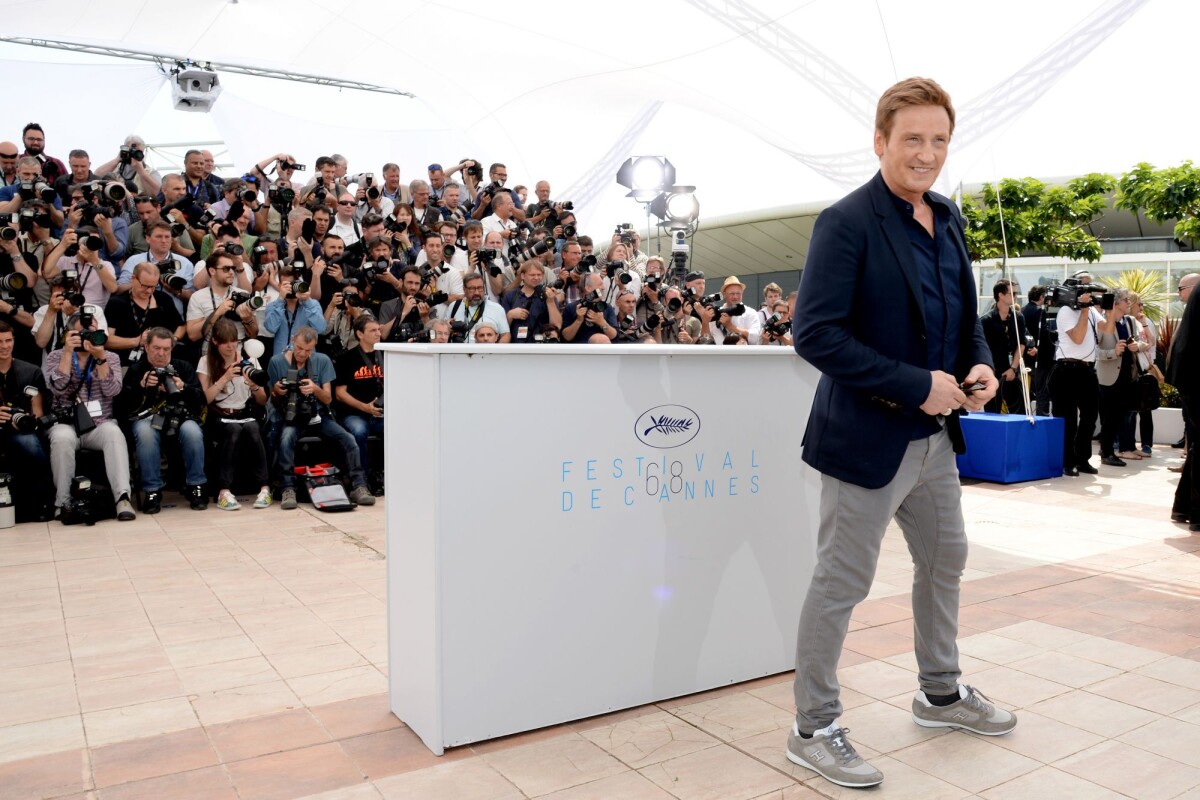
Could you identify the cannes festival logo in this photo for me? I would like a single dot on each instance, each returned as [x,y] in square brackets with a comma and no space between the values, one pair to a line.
[665,427]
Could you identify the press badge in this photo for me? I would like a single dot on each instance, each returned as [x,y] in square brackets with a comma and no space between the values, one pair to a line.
[93,408]
[522,333]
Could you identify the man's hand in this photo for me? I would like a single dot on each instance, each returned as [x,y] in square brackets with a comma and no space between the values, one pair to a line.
[518,313]
[595,317]
[980,373]
[5,414]
[307,386]
[944,394]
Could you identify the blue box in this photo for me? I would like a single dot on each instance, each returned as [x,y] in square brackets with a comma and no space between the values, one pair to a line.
[1006,448]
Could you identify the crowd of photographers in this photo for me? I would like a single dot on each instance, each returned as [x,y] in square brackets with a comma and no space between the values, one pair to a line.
[235,316]
[1090,353]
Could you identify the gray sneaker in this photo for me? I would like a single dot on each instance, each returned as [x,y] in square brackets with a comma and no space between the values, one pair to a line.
[288,502]
[830,754]
[971,712]
[362,495]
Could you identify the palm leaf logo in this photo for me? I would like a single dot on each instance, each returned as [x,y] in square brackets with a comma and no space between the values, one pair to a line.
[668,425]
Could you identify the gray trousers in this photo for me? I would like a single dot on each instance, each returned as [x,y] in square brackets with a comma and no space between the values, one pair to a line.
[107,438]
[925,499]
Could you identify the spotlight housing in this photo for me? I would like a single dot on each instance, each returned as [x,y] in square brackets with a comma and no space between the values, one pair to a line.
[646,176]
[677,207]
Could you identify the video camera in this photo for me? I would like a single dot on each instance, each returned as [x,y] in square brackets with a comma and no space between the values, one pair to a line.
[1071,290]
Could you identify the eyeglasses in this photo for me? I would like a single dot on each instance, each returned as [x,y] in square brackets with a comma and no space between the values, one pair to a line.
[8,155]
[345,202]
[1182,286]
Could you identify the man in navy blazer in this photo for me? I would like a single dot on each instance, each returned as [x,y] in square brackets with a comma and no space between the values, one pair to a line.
[887,313]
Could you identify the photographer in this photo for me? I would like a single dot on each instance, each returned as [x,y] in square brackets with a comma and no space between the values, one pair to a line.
[323,189]
[346,304]
[97,278]
[300,240]
[299,380]
[220,300]
[618,273]
[486,333]
[21,390]
[451,205]
[405,316]
[369,196]
[627,236]
[34,252]
[472,172]
[230,240]
[425,213]
[345,224]
[772,294]
[1117,346]
[777,327]
[1007,347]
[34,139]
[150,210]
[84,380]
[8,163]
[486,197]
[680,325]
[629,329]
[29,187]
[143,307]
[503,218]
[179,280]
[359,392]
[747,323]
[571,272]
[590,316]
[130,166]
[293,310]
[392,188]
[1074,391]
[285,168]
[234,402]
[445,279]
[203,191]
[236,224]
[175,206]
[459,260]
[50,320]
[80,164]
[474,308]
[493,284]
[163,398]
[531,306]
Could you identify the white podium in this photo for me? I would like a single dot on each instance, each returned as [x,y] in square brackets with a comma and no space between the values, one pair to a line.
[574,529]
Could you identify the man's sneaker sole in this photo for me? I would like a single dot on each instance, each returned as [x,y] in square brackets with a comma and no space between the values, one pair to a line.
[800,762]
[927,723]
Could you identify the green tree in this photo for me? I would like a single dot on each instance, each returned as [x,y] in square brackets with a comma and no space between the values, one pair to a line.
[1172,193]
[1036,218]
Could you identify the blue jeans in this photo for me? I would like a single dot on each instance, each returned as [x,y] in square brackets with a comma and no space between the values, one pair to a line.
[285,454]
[148,444]
[361,426]
[30,466]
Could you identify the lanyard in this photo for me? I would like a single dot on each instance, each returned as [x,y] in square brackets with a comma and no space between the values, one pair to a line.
[86,373]
[291,320]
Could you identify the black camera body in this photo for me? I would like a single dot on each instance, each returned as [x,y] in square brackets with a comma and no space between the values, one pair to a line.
[459,330]
[733,311]
[776,325]
[130,153]
[593,301]
[298,408]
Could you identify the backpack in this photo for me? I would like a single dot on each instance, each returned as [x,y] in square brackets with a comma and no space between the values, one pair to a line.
[325,491]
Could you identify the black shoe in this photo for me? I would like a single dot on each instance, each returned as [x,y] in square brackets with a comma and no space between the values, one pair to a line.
[1178,516]
[1179,444]
[197,498]
[1113,461]
[1070,472]
[152,503]
[1088,468]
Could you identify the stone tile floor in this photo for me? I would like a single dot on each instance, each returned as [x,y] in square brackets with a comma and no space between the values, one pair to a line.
[215,655]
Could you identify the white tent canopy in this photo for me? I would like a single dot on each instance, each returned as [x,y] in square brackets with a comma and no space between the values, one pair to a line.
[757,105]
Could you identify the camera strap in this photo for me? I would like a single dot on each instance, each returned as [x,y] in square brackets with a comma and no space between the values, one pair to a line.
[85,374]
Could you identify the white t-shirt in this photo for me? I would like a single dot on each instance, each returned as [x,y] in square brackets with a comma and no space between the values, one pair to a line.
[202,304]
[234,395]
[1084,351]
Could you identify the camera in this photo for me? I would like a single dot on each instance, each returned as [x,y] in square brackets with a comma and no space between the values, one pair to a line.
[36,188]
[90,240]
[625,231]
[252,373]
[297,406]
[522,254]
[79,507]
[593,301]
[242,298]
[21,420]
[308,229]
[459,330]
[475,170]
[130,153]
[169,275]
[674,305]
[283,197]
[248,196]
[776,325]
[233,249]
[1071,290]
[299,287]
[569,232]
[8,234]
[13,282]
[435,298]
[585,264]
[732,311]
[652,282]
[711,300]
[487,255]
[320,195]
[291,165]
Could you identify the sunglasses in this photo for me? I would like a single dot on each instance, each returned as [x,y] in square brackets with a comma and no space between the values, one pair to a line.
[345,202]
[434,167]
[8,155]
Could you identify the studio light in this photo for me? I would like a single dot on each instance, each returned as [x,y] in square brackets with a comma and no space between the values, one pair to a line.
[677,207]
[645,176]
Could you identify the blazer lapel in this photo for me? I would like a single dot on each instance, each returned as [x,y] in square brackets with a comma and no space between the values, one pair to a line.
[893,231]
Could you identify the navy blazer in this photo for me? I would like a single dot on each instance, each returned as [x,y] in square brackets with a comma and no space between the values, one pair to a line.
[860,320]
